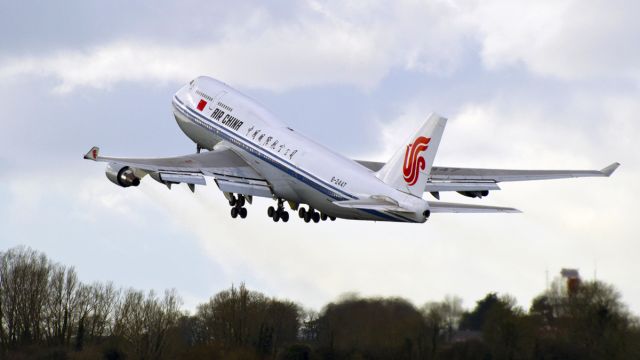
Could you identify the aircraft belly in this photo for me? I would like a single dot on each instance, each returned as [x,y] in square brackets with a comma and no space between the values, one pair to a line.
[281,183]
[289,186]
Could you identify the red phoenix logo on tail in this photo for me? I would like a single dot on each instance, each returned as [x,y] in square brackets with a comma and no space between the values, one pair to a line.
[413,161]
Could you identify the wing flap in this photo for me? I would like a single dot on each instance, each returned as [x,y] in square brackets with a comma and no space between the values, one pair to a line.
[460,186]
[194,179]
[246,188]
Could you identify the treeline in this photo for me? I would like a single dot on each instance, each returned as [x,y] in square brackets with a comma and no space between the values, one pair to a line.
[46,313]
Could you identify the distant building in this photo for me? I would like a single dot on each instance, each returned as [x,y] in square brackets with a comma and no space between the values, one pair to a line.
[572,280]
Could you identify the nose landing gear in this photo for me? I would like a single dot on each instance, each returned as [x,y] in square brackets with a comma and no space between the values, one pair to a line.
[278,213]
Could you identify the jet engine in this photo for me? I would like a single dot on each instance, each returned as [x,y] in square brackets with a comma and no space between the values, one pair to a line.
[121,175]
[474,194]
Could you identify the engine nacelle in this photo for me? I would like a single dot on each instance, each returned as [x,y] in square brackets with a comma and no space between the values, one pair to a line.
[121,175]
[474,194]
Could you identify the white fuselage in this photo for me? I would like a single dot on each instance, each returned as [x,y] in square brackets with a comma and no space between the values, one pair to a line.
[297,169]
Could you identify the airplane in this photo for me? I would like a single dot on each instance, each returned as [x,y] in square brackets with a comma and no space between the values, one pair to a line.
[251,153]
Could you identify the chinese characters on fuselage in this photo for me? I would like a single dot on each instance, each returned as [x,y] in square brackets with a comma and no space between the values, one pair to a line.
[235,124]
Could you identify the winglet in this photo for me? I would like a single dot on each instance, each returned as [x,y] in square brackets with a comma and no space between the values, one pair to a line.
[610,169]
[92,154]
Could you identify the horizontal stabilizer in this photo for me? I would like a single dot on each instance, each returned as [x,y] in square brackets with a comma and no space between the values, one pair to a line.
[375,202]
[444,207]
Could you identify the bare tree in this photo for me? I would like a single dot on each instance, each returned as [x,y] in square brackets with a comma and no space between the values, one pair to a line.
[145,321]
[103,300]
[243,319]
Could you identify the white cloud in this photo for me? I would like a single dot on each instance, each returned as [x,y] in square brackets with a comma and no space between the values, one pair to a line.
[580,223]
[327,44]
[494,132]
[569,39]
[358,43]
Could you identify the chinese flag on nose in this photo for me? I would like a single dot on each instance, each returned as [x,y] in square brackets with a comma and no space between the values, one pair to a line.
[202,104]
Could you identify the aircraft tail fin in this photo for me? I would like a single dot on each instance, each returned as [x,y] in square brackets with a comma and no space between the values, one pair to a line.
[408,170]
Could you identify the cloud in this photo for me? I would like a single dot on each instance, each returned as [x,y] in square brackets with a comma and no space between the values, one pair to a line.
[568,39]
[358,43]
[328,43]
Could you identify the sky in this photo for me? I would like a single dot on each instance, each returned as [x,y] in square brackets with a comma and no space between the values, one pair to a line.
[541,85]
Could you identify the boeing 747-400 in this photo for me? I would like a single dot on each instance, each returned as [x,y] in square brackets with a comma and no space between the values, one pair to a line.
[251,153]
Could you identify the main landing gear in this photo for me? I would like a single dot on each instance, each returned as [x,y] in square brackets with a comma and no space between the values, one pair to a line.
[314,215]
[279,212]
[238,206]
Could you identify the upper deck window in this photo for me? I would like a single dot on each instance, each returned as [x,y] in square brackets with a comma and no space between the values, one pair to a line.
[204,95]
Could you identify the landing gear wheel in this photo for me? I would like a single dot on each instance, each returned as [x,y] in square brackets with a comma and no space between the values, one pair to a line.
[271,211]
[307,217]
[243,212]
[285,216]
[301,212]
[276,217]
[316,217]
[234,212]
[241,200]
[323,217]
[333,218]
[233,201]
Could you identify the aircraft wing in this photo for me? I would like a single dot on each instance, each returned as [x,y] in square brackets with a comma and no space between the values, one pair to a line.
[473,175]
[444,207]
[500,175]
[218,162]
[231,172]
